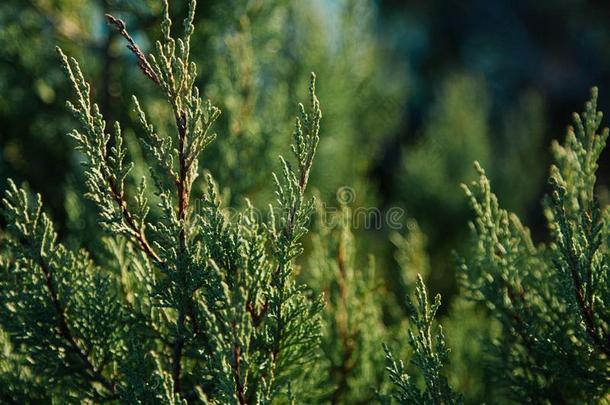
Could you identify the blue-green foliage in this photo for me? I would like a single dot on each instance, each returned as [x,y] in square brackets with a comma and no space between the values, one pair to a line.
[350,367]
[429,354]
[551,300]
[185,299]
[197,304]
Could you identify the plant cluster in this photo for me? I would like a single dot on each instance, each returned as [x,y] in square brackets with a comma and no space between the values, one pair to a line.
[187,300]
[192,305]
[550,300]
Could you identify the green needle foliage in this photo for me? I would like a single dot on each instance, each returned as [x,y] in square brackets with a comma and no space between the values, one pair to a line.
[429,355]
[64,315]
[549,340]
[196,304]
[412,260]
[188,293]
[550,300]
[351,364]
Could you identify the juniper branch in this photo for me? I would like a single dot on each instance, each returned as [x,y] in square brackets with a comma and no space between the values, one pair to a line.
[429,355]
[133,47]
[548,299]
[95,143]
[93,373]
[37,242]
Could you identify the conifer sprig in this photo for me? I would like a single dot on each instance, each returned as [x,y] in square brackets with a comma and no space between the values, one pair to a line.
[548,299]
[133,47]
[295,326]
[105,166]
[579,236]
[350,368]
[429,356]
[205,306]
[171,69]
[56,304]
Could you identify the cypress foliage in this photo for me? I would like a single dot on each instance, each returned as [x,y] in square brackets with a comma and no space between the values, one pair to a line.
[195,305]
[429,354]
[412,259]
[185,299]
[351,364]
[551,300]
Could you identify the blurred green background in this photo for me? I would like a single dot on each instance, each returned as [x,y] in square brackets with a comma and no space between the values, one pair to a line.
[412,93]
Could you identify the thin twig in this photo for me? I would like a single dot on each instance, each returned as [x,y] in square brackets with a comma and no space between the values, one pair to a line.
[345,367]
[94,373]
[133,47]
[137,233]
[183,203]
[237,372]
